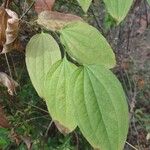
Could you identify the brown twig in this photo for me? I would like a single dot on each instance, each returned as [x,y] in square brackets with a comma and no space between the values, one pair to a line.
[77,140]
[7,3]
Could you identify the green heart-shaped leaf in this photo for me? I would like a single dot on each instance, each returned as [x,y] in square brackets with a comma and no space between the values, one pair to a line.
[85,43]
[85,4]
[100,107]
[56,94]
[41,52]
[118,9]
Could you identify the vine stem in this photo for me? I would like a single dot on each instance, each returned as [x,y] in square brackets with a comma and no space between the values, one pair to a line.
[131,146]
[27,10]
[49,126]
[9,69]
[77,140]
[36,107]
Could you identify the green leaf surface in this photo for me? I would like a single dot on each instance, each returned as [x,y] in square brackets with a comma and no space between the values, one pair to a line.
[118,9]
[85,4]
[148,2]
[56,93]
[100,107]
[85,43]
[42,51]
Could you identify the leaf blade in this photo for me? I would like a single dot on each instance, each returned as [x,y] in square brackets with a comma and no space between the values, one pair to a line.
[42,5]
[57,98]
[97,93]
[148,2]
[84,43]
[42,51]
[53,20]
[118,9]
[85,4]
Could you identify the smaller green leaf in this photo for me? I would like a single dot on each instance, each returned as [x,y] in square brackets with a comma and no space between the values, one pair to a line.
[41,52]
[85,4]
[118,9]
[87,45]
[57,99]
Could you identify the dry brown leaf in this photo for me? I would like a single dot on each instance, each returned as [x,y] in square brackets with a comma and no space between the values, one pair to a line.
[3,25]
[3,120]
[11,31]
[141,83]
[7,81]
[42,5]
[53,20]
[15,137]
[28,142]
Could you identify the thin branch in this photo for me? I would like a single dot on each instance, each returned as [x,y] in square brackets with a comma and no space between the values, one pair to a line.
[27,10]
[36,107]
[6,3]
[77,140]
[6,58]
[131,146]
[49,126]
[36,118]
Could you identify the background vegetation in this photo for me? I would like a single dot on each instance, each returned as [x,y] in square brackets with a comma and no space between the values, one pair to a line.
[29,122]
